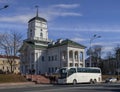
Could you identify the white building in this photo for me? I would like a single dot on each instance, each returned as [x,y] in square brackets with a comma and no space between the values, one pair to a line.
[41,55]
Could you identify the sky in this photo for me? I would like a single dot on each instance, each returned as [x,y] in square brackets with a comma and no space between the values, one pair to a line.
[77,20]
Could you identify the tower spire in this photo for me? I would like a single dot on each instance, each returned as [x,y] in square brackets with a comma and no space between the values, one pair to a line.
[37,10]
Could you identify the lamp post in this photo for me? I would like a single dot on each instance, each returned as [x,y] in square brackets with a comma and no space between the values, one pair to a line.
[93,38]
[5,6]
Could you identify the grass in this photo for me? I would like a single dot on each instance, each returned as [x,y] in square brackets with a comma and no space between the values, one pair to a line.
[8,78]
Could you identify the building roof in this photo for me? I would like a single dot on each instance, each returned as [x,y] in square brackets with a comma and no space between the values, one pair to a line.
[5,56]
[36,46]
[37,18]
[68,42]
[32,43]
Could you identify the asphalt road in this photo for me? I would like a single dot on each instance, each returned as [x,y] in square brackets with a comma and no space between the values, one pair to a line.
[64,88]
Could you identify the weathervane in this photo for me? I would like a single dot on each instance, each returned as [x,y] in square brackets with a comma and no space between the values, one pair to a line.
[37,10]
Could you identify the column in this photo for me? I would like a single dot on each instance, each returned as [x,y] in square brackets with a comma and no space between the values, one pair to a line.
[67,57]
[73,58]
[83,59]
[36,63]
[30,61]
[35,60]
[78,59]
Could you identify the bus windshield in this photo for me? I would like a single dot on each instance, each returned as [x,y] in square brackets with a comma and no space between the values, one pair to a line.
[71,71]
[63,73]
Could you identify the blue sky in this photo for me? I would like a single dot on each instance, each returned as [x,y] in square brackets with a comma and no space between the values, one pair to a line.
[77,20]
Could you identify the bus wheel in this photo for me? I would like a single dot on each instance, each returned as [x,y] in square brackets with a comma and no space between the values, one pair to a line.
[74,82]
[91,81]
[95,81]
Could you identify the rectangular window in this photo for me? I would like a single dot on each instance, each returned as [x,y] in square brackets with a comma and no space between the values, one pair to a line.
[49,70]
[52,69]
[55,57]
[55,68]
[48,58]
[52,58]
[43,59]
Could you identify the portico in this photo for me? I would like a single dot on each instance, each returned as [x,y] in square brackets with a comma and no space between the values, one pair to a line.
[76,58]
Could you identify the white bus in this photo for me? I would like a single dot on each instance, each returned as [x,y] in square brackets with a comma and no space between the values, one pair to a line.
[79,75]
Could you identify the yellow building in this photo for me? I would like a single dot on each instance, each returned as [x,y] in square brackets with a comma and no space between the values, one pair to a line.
[6,64]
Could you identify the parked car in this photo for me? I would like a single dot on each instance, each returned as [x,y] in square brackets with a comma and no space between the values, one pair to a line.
[111,80]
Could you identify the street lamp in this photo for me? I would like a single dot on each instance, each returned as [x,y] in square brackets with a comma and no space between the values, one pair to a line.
[5,6]
[93,38]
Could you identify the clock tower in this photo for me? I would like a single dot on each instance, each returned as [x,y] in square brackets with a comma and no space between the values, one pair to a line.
[37,28]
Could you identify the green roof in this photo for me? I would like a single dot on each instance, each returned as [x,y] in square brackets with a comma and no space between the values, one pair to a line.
[38,18]
[67,42]
[32,44]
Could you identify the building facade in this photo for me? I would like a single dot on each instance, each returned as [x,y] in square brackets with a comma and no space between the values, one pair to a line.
[5,66]
[40,55]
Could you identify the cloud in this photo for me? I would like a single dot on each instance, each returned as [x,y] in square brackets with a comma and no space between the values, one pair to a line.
[87,28]
[3,1]
[60,13]
[108,43]
[52,13]
[66,6]
[49,13]
[8,2]
[77,39]
[63,12]
[16,19]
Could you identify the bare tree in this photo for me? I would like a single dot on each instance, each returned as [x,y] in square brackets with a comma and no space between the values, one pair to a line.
[110,63]
[95,52]
[117,56]
[10,44]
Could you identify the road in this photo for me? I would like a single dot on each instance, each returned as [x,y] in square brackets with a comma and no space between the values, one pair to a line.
[64,88]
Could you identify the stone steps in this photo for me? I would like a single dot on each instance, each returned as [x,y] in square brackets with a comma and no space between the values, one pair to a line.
[38,79]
